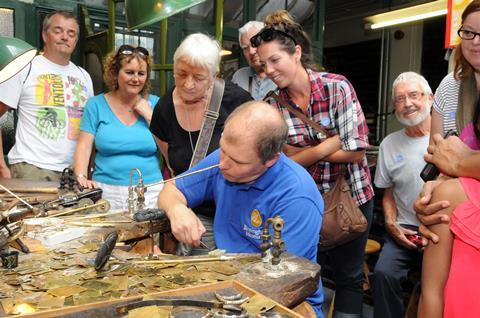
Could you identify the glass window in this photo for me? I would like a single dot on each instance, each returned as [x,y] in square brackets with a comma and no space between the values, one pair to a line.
[6,22]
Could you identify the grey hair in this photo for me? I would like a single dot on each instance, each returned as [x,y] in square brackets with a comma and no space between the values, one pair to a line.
[248,26]
[411,77]
[199,50]
[66,14]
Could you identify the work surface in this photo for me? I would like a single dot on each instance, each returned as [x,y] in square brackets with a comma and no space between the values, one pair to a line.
[59,272]
[63,275]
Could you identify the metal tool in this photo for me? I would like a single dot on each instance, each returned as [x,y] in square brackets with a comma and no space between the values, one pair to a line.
[136,194]
[185,261]
[105,251]
[183,175]
[277,245]
[150,215]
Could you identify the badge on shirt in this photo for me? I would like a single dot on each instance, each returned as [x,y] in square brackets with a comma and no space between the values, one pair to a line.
[256,218]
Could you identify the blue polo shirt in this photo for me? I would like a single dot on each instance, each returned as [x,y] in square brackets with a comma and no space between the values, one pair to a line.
[285,189]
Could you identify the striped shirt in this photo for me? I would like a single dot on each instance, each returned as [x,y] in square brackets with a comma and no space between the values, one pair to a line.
[445,101]
[333,104]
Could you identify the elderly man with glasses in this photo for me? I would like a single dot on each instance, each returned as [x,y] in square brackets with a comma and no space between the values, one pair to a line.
[252,78]
[400,162]
[49,96]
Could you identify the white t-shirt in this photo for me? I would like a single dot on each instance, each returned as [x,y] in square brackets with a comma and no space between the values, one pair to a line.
[400,161]
[50,106]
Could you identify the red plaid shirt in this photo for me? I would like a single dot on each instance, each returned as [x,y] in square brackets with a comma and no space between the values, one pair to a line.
[333,104]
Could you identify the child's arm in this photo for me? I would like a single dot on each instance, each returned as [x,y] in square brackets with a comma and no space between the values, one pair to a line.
[437,257]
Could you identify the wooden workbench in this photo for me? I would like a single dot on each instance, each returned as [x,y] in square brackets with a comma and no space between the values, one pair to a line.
[288,284]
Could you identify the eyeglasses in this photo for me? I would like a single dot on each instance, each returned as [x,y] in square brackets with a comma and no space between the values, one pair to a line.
[414,95]
[129,50]
[196,78]
[267,35]
[467,34]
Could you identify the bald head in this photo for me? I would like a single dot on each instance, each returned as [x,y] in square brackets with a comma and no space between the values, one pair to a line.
[260,123]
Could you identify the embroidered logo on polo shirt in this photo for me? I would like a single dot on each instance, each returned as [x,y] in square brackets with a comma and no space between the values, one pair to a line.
[256,218]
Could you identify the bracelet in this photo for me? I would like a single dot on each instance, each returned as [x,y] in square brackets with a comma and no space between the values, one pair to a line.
[81,176]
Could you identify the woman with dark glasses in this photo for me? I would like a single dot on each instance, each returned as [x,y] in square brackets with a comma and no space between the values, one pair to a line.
[116,124]
[330,100]
[177,120]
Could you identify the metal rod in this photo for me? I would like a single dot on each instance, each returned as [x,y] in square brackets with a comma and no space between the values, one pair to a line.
[70,211]
[189,260]
[182,176]
[16,196]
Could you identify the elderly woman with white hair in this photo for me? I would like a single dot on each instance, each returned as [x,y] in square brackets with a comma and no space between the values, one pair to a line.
[178,118]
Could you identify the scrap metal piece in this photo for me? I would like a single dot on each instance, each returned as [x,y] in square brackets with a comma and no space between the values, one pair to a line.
[232,300]
[258,304]
[171,302]
[105,251]
[272,314]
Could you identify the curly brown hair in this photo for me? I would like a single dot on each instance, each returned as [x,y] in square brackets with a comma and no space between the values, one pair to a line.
[113,64]
[463,69]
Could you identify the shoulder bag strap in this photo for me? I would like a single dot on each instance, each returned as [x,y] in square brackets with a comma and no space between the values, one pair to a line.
[319,128]
[211,115]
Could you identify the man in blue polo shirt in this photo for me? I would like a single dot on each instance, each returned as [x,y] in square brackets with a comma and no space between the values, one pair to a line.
[254,182]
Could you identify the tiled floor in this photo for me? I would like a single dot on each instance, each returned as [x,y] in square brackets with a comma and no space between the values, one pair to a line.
[328,294]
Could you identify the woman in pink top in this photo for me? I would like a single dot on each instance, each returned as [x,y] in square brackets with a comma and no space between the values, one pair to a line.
[450,275]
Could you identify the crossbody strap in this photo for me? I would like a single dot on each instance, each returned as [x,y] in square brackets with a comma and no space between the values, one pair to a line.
[319,128]
[211,115]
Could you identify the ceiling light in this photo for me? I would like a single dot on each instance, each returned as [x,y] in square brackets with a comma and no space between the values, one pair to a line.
[405,15]
[146,12]
[224,52]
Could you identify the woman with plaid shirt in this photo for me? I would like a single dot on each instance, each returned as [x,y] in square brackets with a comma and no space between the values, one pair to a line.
[330,100]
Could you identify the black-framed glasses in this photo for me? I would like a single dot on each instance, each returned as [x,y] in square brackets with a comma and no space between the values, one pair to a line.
[267,35]
[126,49]
[467,34]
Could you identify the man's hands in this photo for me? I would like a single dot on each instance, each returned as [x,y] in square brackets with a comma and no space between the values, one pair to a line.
[446,154]
[398,234]
[185,225]
[426,211]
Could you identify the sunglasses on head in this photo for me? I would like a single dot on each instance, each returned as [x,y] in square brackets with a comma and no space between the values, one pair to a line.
[129,50]
[267,35]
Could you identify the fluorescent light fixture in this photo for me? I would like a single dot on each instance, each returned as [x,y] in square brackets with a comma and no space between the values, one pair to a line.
[405,15]
[225,52]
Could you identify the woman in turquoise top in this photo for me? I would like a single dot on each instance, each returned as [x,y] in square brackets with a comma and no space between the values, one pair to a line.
[117,123]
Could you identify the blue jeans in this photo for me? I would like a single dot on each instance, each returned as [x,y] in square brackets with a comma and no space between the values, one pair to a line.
[391,271]
[207,238]
[347,263]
